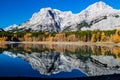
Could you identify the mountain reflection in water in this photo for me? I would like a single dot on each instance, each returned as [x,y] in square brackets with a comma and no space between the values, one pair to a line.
[49,59]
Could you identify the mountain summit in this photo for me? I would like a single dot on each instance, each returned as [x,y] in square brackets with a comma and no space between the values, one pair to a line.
[98,16]
[99,6]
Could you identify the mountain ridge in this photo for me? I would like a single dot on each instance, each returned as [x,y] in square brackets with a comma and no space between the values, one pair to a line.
[98,16]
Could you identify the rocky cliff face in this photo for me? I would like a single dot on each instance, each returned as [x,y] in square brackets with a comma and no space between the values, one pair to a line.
[98,16]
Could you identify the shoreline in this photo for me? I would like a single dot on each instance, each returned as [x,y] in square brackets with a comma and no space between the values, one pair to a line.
[67,43]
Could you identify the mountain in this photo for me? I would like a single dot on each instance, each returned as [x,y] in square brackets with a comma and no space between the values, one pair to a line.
[46,19]
[98,16]
[12,27]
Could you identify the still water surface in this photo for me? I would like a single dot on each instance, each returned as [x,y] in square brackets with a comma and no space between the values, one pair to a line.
[58,61]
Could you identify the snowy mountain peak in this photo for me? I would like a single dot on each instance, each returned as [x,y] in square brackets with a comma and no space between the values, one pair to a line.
[102,5]
[11,27]
[96,16]
[42,12]
[99,6]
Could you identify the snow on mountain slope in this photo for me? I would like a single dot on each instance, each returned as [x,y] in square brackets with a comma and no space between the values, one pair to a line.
[101,16]
[14,26]
[96,16]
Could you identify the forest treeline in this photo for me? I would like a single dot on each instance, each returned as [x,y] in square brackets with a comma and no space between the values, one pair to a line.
[84,36]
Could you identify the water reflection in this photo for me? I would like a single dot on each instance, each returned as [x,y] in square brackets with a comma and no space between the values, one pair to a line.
[52,59]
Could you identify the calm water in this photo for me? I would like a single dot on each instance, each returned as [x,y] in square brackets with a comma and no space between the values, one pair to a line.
[58,61]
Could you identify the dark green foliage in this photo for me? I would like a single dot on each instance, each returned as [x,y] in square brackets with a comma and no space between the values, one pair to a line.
[6,34]
[109,32]
[53,34]
[20,34]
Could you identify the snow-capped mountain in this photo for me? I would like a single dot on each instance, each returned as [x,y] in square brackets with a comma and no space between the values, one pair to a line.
[12,27]
[100,16]
[96,16]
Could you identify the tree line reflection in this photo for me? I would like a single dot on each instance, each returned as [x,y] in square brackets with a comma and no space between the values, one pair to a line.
[84,50]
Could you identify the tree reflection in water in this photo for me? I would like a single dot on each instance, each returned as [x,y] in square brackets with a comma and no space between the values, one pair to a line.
[52,58]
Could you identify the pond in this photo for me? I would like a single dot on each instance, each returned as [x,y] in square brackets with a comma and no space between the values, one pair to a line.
[58,61]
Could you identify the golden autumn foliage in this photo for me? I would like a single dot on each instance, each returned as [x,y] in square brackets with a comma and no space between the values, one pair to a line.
[59,37]
[93,39]
[116,51]
[2,39]
[27,37]
[116,37]
[78,36]
[103,37]
[71,37]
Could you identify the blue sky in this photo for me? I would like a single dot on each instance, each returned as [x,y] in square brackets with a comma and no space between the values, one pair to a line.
[18,11]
